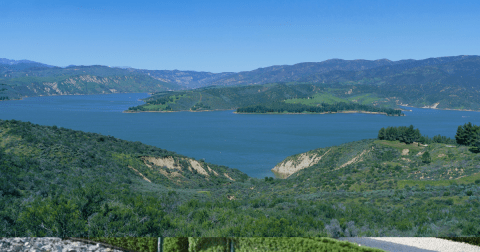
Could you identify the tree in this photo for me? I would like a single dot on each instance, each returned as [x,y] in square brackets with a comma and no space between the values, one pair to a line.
[409,135]
[426,157]
[476,144]
[469,131]
[381,134]
[467,134]
[417,135]
[460,137]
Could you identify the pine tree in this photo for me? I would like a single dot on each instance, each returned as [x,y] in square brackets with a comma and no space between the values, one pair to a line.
[409,135]
[476,144]
[460,137]
[469,132]
[417,135]
[381,134]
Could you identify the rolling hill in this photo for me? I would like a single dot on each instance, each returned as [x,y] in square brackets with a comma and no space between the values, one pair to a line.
[61,182]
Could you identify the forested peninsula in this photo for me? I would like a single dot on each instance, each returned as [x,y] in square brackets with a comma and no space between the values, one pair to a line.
[67,183]
[282,108]
[270,98]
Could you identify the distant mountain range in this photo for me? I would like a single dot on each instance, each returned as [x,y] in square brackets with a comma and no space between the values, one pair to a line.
[453,82]
[303,72]
[4,61]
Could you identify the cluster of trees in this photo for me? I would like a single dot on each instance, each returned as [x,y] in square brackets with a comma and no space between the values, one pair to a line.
[469,135]
[2,98]
[436,139]
[403,134]
[409,135]
[200,106]
[163,100]
[144,108]
[282,107]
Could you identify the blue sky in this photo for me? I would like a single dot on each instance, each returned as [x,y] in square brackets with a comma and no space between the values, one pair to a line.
[223,36]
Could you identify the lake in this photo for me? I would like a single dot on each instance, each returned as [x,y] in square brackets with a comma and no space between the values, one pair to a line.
[251,143]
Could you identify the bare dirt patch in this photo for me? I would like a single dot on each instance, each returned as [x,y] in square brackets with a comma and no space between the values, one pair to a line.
[139,173]
[289,167]
[196,166]
[226,175]
[168,162]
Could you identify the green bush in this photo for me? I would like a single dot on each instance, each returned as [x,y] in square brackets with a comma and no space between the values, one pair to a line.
[175,244]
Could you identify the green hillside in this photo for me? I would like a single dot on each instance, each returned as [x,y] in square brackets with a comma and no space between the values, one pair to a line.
[214,98]
[61,182]
[37,81]
[268,98]
[443,83]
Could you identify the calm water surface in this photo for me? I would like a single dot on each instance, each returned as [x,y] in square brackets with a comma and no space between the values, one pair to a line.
[251,143]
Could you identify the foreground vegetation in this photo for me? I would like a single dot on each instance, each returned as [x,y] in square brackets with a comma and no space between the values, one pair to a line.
[66,183]
[214,244]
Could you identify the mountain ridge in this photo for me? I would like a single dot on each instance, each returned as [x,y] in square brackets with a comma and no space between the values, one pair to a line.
[420,83]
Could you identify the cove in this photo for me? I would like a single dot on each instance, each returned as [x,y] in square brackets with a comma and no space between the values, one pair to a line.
[252,143]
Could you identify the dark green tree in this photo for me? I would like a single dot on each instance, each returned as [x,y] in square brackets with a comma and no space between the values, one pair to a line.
[426,157]
[476,144]
[409,135]
[460,136]
[381,134]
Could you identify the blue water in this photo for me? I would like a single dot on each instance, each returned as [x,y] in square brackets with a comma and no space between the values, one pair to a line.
[251,143]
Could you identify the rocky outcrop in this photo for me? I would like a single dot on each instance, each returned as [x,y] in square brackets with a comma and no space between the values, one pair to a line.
[434,106]
[171,163]
[175,168]
[302,161]
[49,244]
[168,162]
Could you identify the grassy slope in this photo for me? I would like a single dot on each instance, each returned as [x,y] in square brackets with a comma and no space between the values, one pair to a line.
[235,97]
[85,178]
[317,99]
[81,155]
[384,166]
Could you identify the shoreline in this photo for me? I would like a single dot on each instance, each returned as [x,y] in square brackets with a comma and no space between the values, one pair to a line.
[323,113]
[467,110]
[23,97]
[193,111]
[126,111]
[274,113]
